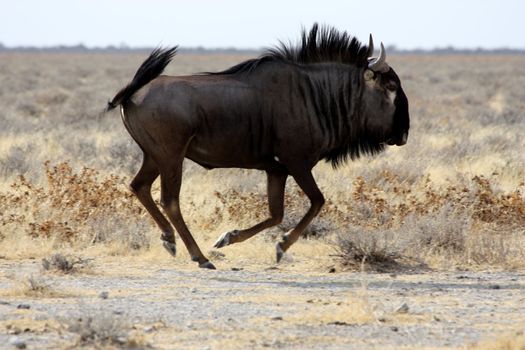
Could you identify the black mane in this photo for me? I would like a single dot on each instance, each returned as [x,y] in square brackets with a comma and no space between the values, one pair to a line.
[323,44]
[320,44]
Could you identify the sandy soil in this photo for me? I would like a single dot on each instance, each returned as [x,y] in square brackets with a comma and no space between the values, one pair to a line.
[161,305]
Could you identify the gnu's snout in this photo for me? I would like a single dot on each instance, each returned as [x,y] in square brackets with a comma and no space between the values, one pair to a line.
[398,141]
[403,139]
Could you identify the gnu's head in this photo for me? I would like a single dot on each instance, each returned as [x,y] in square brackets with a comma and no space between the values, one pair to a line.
[385,102]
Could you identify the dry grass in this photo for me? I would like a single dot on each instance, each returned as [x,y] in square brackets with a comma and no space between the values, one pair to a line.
[354,310]
[35,286]
[388,220]
[104,330]
[469,224]
[28,324]
[452,197]
[514,341]
[73,208]
[65,263]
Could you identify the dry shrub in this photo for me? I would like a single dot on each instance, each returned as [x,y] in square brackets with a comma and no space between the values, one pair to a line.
[387,218]
[444,232]
[245,208]
[66,264]
[74,207]
[362,248]
[391,199]
[514,341]
[496,248]
[36,286]
[103,330]
[467,223]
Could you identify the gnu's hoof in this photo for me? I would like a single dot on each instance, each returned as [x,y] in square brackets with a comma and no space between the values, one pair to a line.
[207,265]
[279,252]
[224,240]
[170,247]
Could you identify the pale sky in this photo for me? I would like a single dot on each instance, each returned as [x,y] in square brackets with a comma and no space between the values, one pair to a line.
[408,24]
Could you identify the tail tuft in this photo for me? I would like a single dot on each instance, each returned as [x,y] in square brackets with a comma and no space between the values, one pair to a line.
[151,68]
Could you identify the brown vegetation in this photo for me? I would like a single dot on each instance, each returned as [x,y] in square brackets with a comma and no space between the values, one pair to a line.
[64,263]
[104,330]
[386,220]
[455,193]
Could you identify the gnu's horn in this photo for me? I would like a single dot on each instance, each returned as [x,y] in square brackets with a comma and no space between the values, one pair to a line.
[370,46]
[379,64]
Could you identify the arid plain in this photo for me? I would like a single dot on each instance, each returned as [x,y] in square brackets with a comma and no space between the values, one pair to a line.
[420,247]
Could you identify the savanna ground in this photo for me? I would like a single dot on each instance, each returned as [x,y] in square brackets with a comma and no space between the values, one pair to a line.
[420,247]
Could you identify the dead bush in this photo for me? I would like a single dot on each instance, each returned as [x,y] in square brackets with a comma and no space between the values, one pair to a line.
[365,248]
[104,329]
[75,207]
[443,232]
[36,286]
[64,263]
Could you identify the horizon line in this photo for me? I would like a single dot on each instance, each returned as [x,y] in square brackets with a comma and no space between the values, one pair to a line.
[80,47]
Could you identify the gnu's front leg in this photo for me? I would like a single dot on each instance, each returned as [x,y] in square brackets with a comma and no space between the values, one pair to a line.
[306,182]
[276,184]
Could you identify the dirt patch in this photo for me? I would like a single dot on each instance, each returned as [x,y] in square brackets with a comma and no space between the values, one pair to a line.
[158,305]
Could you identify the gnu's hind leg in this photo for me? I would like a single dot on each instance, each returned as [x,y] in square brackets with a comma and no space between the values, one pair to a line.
[171,179]
[141,187]
[276,185]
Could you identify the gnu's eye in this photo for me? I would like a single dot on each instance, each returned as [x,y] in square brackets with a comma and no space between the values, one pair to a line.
[391,86]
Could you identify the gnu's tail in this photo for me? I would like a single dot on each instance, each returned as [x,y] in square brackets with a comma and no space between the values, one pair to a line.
[151,68]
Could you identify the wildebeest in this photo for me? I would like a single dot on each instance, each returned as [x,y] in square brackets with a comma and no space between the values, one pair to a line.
[324,98]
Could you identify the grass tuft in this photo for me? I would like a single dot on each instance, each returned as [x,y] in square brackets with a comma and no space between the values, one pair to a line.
[103,329]
[63,263]
[373,249]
